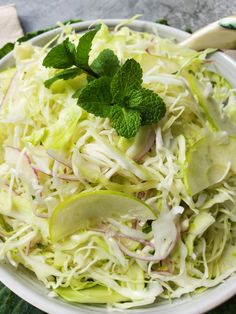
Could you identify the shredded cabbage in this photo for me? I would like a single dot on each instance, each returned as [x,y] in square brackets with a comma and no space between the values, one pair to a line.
[51,149]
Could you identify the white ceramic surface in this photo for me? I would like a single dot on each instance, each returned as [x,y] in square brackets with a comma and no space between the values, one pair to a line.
[25,284]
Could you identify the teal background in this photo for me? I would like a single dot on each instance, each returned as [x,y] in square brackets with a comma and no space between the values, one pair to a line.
[184,14]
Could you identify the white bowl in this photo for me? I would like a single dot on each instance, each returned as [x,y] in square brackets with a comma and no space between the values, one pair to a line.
[25,284]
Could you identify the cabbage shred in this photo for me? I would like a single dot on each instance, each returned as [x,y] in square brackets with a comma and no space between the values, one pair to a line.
[51,149]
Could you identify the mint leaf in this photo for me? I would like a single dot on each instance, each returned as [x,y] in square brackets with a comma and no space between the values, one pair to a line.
[96,97]
[60,56]
[63,75]
[6,49]
[125,121]
[150,105]
[106,64]
[128,77]
[84,47]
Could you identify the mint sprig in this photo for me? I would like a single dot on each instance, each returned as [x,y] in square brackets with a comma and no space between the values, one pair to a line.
[65,55]
[113,91]
[123,99]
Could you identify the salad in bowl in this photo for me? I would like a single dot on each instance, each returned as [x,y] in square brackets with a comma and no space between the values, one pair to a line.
[117,167]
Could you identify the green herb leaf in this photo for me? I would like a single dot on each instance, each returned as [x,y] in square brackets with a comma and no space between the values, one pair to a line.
[6,49]
[106,64]
[63,75]
[125,121]
[162,21]
[71,49]
[96,97]
[60,56]
[150,105]
[84,47]
[128,77]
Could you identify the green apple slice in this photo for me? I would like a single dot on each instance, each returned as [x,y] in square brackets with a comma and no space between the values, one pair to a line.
[87,209]
[208,160]
[96,294]
[211,109]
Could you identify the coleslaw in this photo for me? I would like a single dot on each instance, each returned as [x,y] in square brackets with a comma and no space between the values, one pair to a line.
[52,149]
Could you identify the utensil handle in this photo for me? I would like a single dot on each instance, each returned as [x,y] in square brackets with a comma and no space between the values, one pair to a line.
[220,35]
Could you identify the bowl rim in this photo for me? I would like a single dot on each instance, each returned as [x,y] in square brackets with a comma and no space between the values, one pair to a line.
[23,289]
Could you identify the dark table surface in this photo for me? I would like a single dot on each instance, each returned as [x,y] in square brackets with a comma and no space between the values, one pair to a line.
[183,14]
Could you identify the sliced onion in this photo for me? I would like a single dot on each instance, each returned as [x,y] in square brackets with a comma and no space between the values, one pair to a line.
[143,142]
[134,233]
[7,186]
[65,177]
[124,236]
[16,149]
[9,88]
[135,223]
[144,242]
[68,177]
[59,158]
[27,249]
[42,171]
[150,258]
[22,163]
